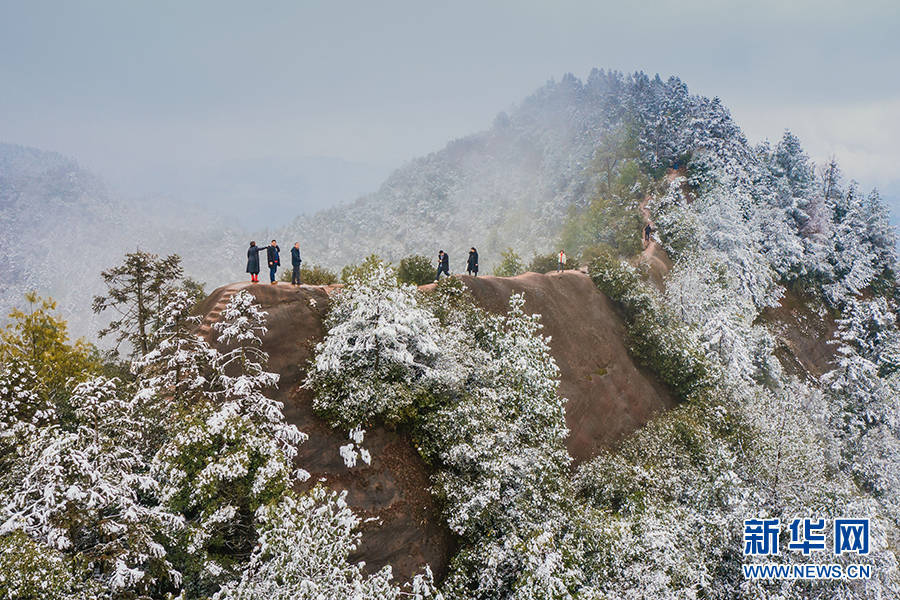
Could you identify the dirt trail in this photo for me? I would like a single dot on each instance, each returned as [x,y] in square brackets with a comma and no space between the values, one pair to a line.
[654,257]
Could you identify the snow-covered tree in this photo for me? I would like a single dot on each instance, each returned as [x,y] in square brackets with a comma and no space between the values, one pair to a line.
[304,550]
[381,350]
[231,455]
[865,396]
[86,490]
[175,376]
[241,376]
[22,409]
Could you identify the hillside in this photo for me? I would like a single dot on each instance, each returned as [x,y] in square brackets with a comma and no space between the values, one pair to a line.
[60,226]
[609,396]
[511,185]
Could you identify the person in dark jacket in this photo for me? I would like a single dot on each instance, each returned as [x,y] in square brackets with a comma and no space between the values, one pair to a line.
[443,265]
[253,261]
[295,262]
[648,231]
[274,260]
[472,265]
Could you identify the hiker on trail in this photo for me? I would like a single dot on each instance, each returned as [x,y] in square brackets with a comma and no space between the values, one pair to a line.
[253,261]
[561,265]
[472,265]
[295,262]
[274,260]
[443,265]
[648,231]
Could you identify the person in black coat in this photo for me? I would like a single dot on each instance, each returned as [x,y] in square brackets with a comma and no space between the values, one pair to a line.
[272,254]
[295,263]
[253,261]
[443,265]
[472,264]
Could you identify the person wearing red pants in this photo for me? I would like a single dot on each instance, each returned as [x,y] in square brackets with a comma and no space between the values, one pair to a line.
[253,261]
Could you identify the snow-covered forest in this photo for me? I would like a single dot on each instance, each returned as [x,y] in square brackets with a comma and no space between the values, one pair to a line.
[173,473]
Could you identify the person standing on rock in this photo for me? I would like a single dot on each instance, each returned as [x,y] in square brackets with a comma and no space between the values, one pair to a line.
[274,260]
[443,265]
[472,264]
[295,263]
[253,262]
[561,265]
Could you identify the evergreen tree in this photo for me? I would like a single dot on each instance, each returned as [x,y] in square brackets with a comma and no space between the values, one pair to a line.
[230,454]
[138,290]
[380,351]
[85,489]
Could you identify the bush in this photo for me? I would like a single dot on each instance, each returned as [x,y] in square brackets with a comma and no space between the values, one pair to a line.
[511,264]
[416,269]
[316,275]
[358,271]
[657,340]
[29,569]
[544,263]
[589,254]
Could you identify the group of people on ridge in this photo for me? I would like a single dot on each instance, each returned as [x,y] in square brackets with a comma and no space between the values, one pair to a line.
[273,257]
[443,263]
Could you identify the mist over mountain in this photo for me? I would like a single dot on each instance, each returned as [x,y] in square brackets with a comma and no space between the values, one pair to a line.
[254,192]
[60,226]
[508,186]
[516,185]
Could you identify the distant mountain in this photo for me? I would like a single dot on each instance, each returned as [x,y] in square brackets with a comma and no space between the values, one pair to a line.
[60,227]
[508,186]
[56,227]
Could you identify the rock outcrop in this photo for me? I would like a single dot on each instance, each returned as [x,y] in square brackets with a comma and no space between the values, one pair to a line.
[608,397]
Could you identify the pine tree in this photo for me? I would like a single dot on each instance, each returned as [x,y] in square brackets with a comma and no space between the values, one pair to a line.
[86,490]
[231,454]
[138,290]
[174,378]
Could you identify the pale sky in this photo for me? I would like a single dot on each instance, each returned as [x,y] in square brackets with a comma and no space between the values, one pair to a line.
[127,87]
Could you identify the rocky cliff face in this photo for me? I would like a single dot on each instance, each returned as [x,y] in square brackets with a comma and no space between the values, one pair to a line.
[395,488]
[609,396]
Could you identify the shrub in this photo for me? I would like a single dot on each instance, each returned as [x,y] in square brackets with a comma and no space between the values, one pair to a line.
[510,265]
[544,263]
[657,339]
[29,569]
[416,269]
[358,271]
[316,275]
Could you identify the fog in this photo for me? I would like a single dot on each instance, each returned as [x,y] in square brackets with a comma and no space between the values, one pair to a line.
[244,104]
